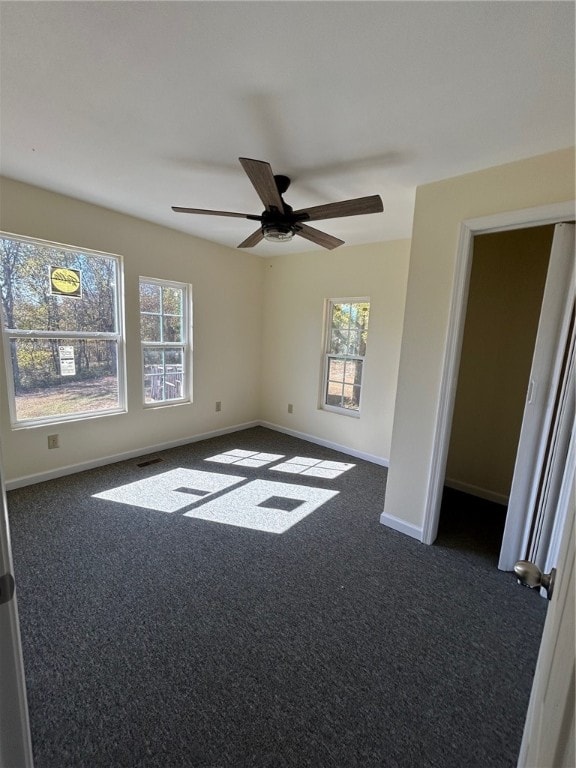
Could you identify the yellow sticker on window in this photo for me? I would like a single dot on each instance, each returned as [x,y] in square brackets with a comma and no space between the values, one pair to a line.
[65,282]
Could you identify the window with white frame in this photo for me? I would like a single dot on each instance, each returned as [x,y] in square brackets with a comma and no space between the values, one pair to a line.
[62,331]
[346,333]
[165,330]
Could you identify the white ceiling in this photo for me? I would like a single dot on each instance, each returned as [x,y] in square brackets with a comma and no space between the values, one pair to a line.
[138,106]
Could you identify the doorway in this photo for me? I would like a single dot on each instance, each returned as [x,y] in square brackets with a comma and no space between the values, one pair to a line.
[469,228]
[507,280]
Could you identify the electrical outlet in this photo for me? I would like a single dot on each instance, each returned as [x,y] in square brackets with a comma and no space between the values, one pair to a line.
[53,441]
[218,406]
[290,408]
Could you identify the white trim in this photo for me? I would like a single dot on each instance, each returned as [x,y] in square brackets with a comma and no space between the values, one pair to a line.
[499,222]
[327,444]
[185,345]
[402,526]
[73,469]
[563,506]
[448,384]
[475,490]
[524,218]
[328,315]
[118,336]
[16,745]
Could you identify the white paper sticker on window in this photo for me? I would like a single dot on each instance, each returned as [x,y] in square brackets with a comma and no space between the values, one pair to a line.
[67,362]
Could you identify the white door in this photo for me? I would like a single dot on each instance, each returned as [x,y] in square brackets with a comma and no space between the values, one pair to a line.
[531,507]
[548,740]
[15,746]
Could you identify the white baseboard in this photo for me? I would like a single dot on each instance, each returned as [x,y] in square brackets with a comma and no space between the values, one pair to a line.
[474,490]
[73,469]
[402,526]
[326,443]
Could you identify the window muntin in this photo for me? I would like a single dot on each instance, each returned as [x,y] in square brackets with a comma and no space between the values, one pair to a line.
[62,331]
[346,336]
[165,336]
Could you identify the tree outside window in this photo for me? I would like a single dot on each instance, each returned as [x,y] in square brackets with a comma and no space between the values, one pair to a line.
[62,331]
[346,336]
[165,337]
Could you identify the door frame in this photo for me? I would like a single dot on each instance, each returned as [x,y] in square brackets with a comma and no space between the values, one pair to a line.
[15,739]
[469,228]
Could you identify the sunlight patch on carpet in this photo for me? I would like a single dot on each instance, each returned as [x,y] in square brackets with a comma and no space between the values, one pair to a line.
[300,465]
[170,491]
[245,458]
[263,506]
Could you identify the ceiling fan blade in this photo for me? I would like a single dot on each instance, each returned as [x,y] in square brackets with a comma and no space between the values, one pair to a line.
[180,209]
[260,174]
[318,237]
[355,207]
[252,240]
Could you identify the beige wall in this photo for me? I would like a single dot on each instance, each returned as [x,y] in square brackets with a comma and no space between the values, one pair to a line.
[258,326]
[439,210]
[506,289]
[246,310]
[295,289]
[227,294]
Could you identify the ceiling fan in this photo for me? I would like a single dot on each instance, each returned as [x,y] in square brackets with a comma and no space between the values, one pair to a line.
[278,222]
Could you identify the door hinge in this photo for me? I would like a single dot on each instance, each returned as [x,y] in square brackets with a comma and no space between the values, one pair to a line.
[6,588]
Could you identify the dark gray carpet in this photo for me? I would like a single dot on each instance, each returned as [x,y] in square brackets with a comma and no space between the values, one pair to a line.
[164,641]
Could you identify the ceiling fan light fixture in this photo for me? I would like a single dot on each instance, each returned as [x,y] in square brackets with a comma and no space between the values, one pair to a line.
[278,233]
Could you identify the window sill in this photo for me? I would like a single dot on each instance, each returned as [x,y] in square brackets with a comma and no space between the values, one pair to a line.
[165,404]
[340,411]
[51,422]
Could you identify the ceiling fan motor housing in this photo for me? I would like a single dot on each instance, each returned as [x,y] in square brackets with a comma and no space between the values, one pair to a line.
[282,182]
[279,225]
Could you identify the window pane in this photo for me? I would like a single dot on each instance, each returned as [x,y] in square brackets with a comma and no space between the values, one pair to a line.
[54,377]
[150,327]
[171,301]
[334,399]
[346,338]
[341,316]
[172,329]
[354,343]
[336,369]
[351,399]
[49,288]
[335,382]
[353,374]
[149,297]
[153,357]
[338,342]
[163,375]
[359,315]
[164,366]
[173,358]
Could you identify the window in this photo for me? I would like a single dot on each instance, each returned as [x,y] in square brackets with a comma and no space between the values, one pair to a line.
[165,335]
[346,334]
[61,327]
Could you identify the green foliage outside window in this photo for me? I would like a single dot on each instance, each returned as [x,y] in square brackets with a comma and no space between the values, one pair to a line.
[346,347]
[39,325]
[164,336]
